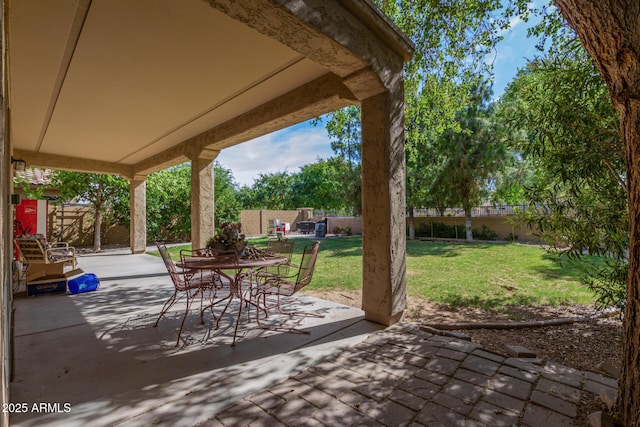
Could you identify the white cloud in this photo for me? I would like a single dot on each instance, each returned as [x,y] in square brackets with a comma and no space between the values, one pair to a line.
[513,23]
[285,150]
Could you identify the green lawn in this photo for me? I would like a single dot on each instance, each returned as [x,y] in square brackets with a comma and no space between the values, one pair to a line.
[458,274]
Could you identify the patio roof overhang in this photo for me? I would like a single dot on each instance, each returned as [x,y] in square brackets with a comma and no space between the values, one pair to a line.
[132,87]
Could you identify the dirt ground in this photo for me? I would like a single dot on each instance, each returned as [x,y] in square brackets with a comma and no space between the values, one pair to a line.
[581,345]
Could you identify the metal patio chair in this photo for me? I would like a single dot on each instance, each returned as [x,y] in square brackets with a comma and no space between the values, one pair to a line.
[222,282]
[280,285]
[277,247]
[189,283]
[280,247]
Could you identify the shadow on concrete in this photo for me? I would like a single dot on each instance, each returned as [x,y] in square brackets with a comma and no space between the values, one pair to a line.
[100,353]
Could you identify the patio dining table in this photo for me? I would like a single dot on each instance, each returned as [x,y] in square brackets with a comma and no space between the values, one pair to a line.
[235,280]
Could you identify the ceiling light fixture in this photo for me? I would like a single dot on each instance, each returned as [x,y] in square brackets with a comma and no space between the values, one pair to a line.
[20,166]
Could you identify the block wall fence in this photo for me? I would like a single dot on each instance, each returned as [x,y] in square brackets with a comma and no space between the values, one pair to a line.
[74,224]
[256,222]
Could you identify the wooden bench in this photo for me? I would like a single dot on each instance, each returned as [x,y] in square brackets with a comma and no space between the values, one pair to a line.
[44,259]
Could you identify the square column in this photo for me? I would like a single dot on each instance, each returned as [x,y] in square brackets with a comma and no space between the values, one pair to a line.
[138,216]
[383,207]
[202,201]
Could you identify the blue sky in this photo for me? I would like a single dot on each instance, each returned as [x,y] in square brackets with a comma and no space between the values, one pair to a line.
[289,149]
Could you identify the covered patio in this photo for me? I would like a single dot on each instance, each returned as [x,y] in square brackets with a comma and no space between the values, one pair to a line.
[100,353]
[96,359]
[130,88]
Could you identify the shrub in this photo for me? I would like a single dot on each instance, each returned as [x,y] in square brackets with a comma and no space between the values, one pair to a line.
[485,234]
[342,230]
[440,230]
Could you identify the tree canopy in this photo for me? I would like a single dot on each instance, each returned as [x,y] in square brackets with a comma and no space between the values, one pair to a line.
[570,131]
[609,32]
[98,190]
[471,155]
[454,43]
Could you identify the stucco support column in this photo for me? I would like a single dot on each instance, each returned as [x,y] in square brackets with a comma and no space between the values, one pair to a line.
[138,214]
[202,202]
[383,206]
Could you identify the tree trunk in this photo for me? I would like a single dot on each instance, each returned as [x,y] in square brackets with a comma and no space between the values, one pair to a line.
[467,223]
[609,31]
[97,227]
[628,402]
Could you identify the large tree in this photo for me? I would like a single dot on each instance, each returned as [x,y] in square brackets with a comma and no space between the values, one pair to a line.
[610,31]
[227,202]
[423,160]
[320,185]
[271,191]
[472,154]
[325,184]
[98,190]
[571,132]
[169,202]
[454,43]
[344,130]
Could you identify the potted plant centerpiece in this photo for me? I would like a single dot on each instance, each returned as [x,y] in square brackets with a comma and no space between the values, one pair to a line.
[229,237]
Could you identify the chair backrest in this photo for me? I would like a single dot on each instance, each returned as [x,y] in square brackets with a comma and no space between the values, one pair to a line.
[307,264]
[171,266]
[32,248]
[280,247]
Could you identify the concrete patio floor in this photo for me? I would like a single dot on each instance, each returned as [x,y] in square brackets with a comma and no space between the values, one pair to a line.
[98,353]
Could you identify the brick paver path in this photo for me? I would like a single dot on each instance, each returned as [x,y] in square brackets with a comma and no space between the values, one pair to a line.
[404,376]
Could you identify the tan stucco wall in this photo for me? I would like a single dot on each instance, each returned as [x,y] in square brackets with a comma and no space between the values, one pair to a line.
[256,222]
[344,221]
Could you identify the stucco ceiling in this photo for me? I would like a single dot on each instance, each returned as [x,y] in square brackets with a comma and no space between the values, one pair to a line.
[121,81]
